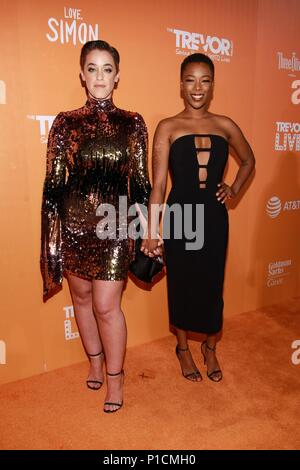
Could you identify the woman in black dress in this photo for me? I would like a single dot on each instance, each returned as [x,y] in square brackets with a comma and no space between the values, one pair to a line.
[194,145]
[96,155]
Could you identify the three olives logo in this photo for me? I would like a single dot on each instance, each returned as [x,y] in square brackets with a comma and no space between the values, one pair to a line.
[291,64]
[273,207]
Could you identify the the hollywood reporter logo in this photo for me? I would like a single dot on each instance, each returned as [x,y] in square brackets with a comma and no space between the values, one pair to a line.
[72,28]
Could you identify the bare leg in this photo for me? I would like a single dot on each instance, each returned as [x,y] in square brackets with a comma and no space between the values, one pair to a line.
[188,366]
[81,291]
[209,351]
[112,326]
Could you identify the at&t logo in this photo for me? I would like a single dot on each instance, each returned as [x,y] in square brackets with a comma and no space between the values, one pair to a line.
[217,48]
[45,123]
[274,206]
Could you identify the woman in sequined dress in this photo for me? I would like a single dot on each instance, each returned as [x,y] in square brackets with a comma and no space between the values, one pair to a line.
[96,154]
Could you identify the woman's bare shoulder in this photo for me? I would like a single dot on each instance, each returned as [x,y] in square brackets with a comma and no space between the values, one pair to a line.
[169,123]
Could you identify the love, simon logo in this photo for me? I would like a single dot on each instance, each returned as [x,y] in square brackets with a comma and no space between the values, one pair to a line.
[71,28]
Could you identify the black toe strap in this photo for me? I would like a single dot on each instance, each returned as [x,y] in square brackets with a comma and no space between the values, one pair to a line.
[111,403]
[214,372]
[193,374]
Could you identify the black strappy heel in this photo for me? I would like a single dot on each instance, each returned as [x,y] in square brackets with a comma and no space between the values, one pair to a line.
[119,405]
[98,383]
[212,374]
[195,374]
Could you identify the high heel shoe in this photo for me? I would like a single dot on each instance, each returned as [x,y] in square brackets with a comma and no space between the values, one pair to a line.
[98,383]
[212,375]
[119,405]
[192,376]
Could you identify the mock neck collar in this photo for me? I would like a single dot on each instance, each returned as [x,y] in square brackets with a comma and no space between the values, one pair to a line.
[101,105]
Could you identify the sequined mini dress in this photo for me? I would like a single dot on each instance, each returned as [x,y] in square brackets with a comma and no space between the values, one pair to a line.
[96,155]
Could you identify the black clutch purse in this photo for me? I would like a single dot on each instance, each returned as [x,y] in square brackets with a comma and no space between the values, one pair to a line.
[143,267]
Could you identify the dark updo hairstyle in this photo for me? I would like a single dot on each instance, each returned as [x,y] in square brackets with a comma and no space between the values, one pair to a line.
[194,58]
[101,46]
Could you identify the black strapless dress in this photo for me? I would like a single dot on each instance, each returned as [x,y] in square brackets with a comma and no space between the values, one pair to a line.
[196,260]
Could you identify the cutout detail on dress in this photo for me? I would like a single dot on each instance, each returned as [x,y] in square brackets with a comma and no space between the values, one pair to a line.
[203,148]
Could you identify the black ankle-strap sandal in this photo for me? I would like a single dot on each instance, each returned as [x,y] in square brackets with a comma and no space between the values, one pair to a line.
[119,405]
[97,383]
[212,375]
[192,376]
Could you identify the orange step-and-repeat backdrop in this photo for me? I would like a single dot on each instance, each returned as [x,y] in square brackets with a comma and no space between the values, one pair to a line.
[255,47]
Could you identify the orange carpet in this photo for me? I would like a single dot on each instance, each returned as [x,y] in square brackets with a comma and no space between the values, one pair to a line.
[255,406]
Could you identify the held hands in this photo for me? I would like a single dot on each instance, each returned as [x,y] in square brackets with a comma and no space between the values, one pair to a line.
[224,192]
[152,247]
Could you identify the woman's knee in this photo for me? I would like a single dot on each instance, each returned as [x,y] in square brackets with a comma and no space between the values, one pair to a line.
[82,296]
[104,308]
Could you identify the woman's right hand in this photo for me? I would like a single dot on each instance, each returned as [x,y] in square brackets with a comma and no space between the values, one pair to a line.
[152,247]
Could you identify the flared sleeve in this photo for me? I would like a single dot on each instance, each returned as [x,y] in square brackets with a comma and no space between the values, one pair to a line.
[51,249]
[140,186]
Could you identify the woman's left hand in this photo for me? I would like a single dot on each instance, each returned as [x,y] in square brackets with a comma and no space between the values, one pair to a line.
[224,192]
[152,247]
